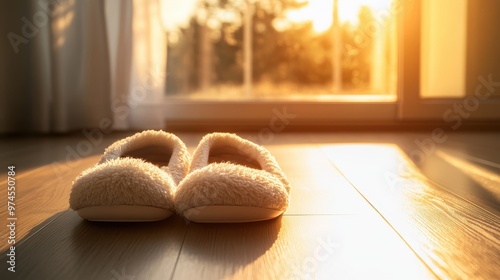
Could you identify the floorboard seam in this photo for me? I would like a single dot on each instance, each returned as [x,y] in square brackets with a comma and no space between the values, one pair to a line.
[29,236]
[380,214]
[179,254]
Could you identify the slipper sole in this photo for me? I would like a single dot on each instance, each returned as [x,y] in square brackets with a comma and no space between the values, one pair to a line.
[124,213]
[230,214]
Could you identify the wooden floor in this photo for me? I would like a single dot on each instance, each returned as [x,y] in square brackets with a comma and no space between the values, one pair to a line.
[363,206]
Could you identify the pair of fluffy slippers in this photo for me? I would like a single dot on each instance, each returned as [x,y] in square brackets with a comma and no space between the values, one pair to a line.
[151,175]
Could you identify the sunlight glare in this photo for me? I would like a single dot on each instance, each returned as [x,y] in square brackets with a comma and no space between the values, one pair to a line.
[320,12]
[175,14]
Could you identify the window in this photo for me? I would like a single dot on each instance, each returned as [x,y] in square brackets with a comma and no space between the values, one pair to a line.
[331,61]
[281,49]
[452,70]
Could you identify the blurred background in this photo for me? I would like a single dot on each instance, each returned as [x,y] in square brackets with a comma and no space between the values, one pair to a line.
[298,48]
[72,64]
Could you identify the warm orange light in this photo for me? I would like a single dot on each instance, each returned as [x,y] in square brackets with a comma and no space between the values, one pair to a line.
[320,12]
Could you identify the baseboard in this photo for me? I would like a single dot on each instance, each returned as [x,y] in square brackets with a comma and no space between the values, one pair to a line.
[256,126]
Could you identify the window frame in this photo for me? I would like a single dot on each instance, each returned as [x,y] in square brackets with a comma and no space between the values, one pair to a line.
[412,105]
[408,107]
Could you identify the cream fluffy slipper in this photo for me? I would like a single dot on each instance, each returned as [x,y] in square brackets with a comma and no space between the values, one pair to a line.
[135,179]
[232,180]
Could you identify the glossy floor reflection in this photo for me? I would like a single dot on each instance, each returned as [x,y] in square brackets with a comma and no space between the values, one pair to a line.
[453,236]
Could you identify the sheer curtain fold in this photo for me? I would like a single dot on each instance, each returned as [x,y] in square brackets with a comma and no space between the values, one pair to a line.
[80,66]
[139,60]
[149,65]
[72,64]
[120,37]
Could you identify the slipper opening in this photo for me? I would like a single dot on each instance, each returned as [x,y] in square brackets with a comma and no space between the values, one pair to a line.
[220,153]
[157,155]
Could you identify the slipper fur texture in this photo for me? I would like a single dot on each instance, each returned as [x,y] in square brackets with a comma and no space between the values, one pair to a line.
[227,170]
[140,170]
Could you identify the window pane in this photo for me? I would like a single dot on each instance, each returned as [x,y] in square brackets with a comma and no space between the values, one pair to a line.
[443,47]
[204,56]
[290,48]
[459,47]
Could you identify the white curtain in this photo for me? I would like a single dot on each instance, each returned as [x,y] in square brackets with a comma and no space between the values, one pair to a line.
[138,59]
[73,64]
